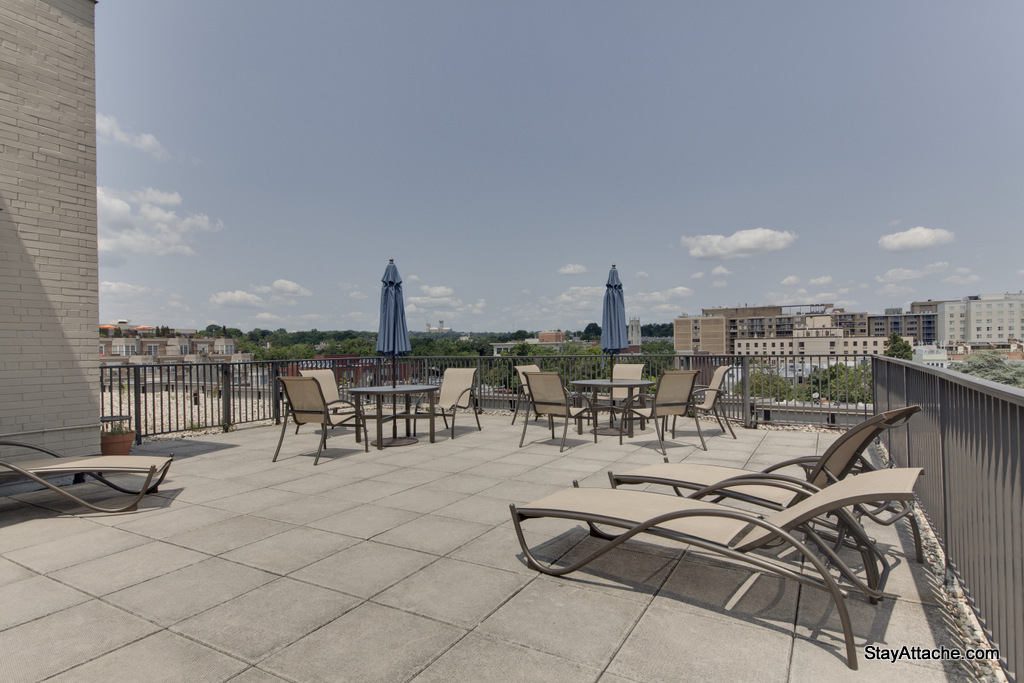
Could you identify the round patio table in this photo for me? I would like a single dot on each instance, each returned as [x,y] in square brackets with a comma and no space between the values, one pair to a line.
[631,384]
[407,390]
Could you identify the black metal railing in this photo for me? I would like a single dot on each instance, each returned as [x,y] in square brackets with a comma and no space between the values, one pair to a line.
[968,439]
[180,397]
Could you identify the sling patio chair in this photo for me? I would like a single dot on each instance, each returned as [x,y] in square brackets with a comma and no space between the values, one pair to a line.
[772,487]
[548,396]
[738,534]
[456,392]
[710,398]
[673,397]
[342,411]
[306,405]
[523,394]
[50,463]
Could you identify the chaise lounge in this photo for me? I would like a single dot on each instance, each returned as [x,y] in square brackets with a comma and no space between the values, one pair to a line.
[738,534]
[50,463]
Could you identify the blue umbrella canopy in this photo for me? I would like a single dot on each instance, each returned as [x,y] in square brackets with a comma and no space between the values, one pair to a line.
[613,316]
[393,334]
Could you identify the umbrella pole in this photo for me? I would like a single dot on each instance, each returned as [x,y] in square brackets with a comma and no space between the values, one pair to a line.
[394,397]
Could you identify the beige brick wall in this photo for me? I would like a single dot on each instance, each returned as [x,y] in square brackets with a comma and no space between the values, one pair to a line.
[49,302]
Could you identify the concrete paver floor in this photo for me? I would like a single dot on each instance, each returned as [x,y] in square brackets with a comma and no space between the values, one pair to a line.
[402,565]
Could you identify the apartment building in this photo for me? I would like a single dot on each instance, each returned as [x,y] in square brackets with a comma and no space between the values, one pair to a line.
[922,326]
[706,334]
[982,318]
[818,336]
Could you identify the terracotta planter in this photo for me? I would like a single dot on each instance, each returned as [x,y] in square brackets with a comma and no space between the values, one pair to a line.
[116,444]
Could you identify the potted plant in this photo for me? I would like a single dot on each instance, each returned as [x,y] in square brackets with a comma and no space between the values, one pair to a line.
[116,438]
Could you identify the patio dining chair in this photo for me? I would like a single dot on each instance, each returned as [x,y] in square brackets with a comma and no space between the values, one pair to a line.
[673,397]
[549,397]
[456,393]
[737,534]
[710,398]
[306,404]
[342,411]
[523,393]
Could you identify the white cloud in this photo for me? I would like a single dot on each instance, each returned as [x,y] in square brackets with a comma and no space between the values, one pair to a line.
[719,283]
[109,130]
[121,289]
[137,223]
[663,296]
[697,276]
[962,276]
[738,245]
[904,274]
[819,281]
[237,299]
[357,295]
[267,317]
[572,269]
[721,271]
[437,291]
[284,288]
[915,238]
[790,281]
[641,275]
[151,195]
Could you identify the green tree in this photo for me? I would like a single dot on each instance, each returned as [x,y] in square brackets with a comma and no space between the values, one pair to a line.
[657,347]
[840,383]
[591,332]
[993,366]
[898,347]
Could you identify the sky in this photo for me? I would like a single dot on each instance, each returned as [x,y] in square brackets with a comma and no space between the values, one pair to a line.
[259,162]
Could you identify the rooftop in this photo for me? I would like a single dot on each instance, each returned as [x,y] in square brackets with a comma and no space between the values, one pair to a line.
[402,565]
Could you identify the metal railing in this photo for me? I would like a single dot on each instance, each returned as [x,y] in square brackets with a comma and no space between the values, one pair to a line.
[968,439]
[180,397]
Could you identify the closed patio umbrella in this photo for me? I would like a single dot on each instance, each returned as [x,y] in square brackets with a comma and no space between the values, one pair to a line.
[613,317]
[393,333]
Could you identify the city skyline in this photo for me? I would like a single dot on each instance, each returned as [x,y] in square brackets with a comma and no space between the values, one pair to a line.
[506,155]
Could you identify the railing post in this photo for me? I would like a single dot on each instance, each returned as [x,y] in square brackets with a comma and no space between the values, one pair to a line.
[225,396]
[275,399]
[749,420]
[137,401]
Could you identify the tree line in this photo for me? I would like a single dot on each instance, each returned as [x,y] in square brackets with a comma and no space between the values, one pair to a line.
[280,344]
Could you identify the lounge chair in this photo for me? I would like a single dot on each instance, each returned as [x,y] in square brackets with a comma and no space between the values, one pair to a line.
[548,396]
[456,392]
[306,404]
[738,534]
[774,489]
[524,390]
[51,463]
[673,397]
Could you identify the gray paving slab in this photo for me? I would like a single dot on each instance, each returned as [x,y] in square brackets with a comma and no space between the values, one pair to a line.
[403,564]
[371,643]
[162,657]
[117,571]
[32,654]
[267,619]
[180,594]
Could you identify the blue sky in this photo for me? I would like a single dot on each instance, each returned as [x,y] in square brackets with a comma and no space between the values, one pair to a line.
[259,162]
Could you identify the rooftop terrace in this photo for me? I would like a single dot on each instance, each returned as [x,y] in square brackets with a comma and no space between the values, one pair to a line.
[402,565]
